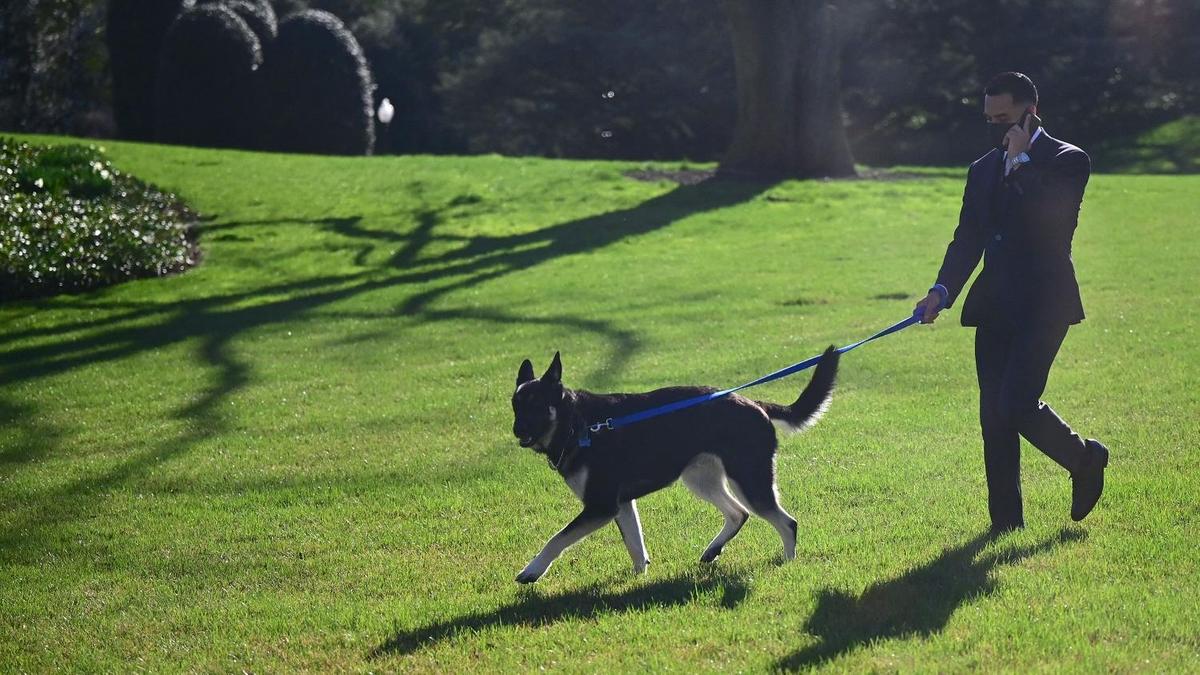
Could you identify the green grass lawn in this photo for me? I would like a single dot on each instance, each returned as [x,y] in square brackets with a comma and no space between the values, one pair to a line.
[297,456]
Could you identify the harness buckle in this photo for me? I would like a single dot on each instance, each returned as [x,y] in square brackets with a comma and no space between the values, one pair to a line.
[601,426]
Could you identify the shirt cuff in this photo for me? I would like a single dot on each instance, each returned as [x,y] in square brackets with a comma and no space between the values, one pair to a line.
[945,294]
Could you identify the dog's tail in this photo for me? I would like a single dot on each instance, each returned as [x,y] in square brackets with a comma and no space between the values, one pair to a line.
[813,401]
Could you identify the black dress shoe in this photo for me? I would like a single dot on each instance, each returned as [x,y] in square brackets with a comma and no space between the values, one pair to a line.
[1087,482]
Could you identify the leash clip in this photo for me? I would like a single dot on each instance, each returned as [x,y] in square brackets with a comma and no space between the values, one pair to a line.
[585,439]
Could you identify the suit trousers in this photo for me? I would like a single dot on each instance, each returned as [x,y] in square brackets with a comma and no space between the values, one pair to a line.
[1013,365]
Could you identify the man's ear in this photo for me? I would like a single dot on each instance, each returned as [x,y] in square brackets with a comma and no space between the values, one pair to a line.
[554,372]
[525,374]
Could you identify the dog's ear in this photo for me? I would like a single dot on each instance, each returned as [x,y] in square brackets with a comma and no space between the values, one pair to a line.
[525,374]
[554,372]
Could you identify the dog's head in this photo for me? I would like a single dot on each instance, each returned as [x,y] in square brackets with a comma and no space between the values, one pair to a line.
[535,404]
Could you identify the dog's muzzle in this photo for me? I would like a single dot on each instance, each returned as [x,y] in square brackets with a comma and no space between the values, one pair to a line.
[525,438]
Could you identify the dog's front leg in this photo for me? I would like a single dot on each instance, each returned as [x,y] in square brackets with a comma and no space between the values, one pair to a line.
[587,522]
[631,532]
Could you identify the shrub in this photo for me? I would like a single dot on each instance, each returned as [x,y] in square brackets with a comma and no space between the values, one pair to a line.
[135,31]
[616,79]
[204,94]
[256,13]
[316,88]
[70,221]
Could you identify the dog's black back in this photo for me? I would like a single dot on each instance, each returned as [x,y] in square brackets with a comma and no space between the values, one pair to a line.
[636,460]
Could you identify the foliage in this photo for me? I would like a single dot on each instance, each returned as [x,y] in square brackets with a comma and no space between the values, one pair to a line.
[72,221]
[1173,147]
[914,70]
[205,89]
[315,88]
[407,45]
[53,66]
[527,76]
[586,79]
[257,14]
[135,32]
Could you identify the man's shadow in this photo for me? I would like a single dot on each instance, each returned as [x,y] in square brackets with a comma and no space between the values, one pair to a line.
[533,609]
[917,603]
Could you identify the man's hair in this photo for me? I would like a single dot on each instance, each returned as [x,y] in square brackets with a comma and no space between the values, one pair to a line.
[1017,85]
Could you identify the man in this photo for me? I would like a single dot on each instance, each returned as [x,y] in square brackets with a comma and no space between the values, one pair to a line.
[1020,208]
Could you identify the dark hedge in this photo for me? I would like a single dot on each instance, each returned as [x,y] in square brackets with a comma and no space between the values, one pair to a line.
[256,13]
[70,221]
[204,94]
[134,32]
[316,89]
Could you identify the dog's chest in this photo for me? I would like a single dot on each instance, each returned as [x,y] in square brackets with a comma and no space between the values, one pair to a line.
[578,481]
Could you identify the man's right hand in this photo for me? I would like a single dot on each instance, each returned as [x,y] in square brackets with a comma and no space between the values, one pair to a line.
[929,307]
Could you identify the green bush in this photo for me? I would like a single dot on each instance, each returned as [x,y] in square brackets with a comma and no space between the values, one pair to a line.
[70,221]
[135,31]
[1173,147]
[204,94]
[316,89]
[257,14]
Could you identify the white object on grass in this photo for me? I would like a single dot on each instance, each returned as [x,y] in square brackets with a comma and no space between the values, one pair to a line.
[386,111]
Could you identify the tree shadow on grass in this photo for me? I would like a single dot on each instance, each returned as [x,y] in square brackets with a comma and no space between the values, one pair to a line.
[534,610]
[217,321]
[28,439]
[918,603]
[480,259]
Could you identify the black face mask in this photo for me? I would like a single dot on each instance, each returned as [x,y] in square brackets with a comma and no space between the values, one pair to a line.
[996,132]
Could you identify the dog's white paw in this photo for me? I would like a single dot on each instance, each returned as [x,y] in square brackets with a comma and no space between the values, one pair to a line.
[530,574]
[641,568]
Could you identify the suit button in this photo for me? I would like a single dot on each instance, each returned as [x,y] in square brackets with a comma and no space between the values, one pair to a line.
[998,237]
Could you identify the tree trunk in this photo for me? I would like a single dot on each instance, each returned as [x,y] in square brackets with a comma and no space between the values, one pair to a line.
[786,58]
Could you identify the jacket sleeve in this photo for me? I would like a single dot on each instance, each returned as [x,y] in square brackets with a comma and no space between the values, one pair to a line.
[1051,192]
[964,251]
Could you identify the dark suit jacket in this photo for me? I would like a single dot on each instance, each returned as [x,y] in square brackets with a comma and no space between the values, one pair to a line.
[1022,225]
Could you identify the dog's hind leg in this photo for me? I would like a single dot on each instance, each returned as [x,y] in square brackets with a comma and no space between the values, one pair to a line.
[706,479]
[756,487]
[631,532]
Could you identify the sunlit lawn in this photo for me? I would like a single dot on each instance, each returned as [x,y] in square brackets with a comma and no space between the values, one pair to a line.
[298,455]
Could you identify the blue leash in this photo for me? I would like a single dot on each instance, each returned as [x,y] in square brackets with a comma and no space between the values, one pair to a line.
[624,421]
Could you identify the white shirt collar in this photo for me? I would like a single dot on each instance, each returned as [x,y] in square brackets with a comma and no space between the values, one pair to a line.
[1036,134]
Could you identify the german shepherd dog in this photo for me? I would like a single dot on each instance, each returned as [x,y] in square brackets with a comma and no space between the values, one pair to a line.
[721,444]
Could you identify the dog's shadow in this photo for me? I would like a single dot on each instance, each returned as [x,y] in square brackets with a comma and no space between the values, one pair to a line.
[534,609]
[918,603]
